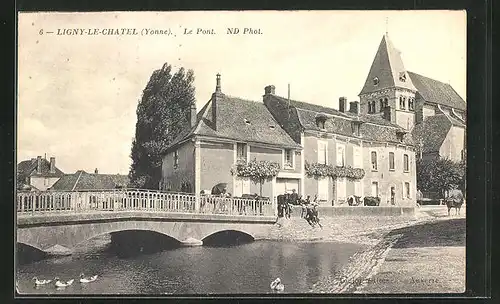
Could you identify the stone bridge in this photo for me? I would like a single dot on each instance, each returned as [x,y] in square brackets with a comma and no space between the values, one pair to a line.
[45,231]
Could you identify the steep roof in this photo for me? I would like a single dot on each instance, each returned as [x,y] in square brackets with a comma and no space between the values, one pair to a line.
[81,180]
[437,92]
[241,120]
[388,67]
[373,127]
[432,132]
[28,168]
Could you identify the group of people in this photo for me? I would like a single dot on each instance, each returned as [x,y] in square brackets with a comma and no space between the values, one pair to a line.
[309,207]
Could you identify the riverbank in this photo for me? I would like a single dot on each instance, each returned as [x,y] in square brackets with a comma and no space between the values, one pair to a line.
[423,255]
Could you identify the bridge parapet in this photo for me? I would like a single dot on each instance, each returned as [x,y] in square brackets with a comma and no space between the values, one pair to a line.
[138,200]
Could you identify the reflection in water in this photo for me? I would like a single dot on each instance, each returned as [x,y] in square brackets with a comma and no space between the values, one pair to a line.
[245,268]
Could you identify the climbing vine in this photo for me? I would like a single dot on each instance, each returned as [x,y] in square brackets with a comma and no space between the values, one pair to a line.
[257,171]
[317,170]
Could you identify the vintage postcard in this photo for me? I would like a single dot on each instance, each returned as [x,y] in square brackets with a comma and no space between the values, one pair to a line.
[241,152]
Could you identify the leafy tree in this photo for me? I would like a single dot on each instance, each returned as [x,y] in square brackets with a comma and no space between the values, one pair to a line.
[440,175]
[257,171]
[162,114]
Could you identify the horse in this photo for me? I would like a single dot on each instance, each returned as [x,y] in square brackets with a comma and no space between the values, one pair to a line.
[455,200]
[354,200]
[312,216]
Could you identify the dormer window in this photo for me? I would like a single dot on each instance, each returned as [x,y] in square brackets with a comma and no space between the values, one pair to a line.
[320,122]
[355,128]
[400,135]
[247,121]
[402,76]
[376,81]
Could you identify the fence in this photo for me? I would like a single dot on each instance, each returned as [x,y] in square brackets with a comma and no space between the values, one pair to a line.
[135,199]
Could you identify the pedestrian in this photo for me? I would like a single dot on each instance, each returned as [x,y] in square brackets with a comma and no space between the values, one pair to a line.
[293,197]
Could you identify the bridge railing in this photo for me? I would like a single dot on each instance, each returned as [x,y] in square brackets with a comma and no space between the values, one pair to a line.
[140,200]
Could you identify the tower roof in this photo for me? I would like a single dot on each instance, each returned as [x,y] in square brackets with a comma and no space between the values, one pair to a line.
[387,69]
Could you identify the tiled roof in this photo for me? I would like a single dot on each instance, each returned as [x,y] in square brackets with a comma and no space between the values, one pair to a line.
[241,120]
[438,92]
[387,66]
[432,132]
[28,168]
[374,127]
[82,180]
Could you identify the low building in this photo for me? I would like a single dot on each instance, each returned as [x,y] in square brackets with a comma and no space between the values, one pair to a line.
[37,174]
[225,131]
[81,180]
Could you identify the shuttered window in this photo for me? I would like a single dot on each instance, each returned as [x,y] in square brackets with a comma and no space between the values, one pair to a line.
[322,150]
[340,155]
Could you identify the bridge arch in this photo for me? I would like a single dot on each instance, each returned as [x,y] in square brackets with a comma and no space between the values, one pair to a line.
[119,230]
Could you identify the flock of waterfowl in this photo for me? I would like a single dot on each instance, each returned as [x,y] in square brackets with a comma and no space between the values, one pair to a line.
[60,284]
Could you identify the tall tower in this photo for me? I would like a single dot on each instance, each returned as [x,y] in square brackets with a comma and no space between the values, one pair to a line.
[388,89]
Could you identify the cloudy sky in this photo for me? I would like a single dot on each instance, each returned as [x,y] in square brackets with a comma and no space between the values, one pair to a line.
[77,94]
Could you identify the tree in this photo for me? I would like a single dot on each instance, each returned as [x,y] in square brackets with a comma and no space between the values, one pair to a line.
[257,171]
[440,175]
[162,114]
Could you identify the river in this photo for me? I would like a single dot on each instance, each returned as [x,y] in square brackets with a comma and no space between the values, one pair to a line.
[229,269]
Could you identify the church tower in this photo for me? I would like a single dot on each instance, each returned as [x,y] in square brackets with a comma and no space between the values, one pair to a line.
[388,90]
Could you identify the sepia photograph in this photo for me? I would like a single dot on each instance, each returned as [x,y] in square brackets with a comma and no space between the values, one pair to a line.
[241,152]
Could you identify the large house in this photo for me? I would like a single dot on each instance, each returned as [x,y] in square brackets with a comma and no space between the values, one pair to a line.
[293,134]
[431,110]
[347,139]
[37,174]
[81,180]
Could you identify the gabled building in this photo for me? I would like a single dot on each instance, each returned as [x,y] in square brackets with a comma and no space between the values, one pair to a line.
[37,174]
[81,180]
[411,100]
[345,138]
[228,129]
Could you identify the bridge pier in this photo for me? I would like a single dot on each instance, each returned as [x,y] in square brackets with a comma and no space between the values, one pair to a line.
[190,242]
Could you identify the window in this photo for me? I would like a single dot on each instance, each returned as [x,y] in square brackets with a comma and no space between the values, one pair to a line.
[406,163]
[323,189]
[322,150]
[391,160]
[176,159]
[358,190]
[407,190]
[341,189]
[411,100]
[402,76]
[355,128]
[320,121]
[340,155]
[375,81]
[371,106]
[374,160]
[241,152]
[375,189]
[358,158]
[288,159]
[381,101]
[402,101]
[386,102]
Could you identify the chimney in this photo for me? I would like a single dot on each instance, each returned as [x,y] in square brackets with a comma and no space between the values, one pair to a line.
[39,165]
[217,85]
[52,165]
[270,89]
[96,171]
[354,107]
[192,115]
[217,95]
[342,104]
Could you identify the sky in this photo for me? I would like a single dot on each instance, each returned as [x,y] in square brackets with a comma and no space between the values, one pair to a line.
[78,94]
